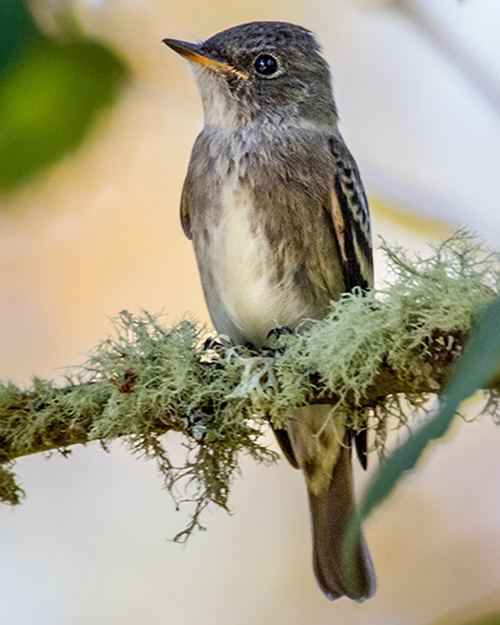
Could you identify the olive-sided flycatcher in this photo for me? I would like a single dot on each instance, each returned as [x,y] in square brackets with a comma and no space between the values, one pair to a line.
[279,221]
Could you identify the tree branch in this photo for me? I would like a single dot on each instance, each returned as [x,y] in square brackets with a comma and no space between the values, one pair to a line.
[372,352]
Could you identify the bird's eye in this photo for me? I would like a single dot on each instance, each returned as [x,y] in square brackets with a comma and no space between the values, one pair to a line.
[266,65]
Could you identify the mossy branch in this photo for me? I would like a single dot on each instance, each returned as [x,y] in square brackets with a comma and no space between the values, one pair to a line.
[382,354]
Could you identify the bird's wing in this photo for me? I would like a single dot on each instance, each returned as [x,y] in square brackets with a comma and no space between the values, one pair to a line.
[185,217]
[351,224]
[350,218]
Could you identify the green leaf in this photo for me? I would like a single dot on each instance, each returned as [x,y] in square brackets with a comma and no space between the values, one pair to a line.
[17,31]
[475,369]
[50,94]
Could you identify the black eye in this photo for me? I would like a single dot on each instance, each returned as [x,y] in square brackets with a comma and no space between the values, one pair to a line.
[266,65]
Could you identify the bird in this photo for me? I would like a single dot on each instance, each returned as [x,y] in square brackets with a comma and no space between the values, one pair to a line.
[276,211]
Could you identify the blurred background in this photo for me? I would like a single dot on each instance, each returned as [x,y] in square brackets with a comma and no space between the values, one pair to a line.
[97,120]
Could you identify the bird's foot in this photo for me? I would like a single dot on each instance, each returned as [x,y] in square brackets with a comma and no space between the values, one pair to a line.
[275,333]
[273,337]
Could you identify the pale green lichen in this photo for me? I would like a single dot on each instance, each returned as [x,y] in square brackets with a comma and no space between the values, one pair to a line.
[146,379]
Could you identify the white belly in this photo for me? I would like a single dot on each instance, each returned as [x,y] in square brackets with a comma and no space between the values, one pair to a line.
[242,268]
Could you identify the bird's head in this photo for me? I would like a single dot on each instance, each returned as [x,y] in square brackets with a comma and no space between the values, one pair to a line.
[259,71]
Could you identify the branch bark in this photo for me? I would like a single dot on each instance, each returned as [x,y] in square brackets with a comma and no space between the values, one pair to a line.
[75,427]
[368,352]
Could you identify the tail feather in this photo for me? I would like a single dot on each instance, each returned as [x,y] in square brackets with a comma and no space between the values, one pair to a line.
[322,449]
[330,513]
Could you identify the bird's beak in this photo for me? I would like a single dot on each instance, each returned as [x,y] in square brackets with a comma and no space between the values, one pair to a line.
[194,53]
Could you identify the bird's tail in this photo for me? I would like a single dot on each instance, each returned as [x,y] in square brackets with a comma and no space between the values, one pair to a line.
[338,574]
[324,454]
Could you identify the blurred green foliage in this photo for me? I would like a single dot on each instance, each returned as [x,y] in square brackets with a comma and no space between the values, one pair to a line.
[485,619]
[17,30]
[50,93]
[492,619]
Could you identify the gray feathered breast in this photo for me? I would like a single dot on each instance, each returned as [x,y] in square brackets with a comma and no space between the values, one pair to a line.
[279,223]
